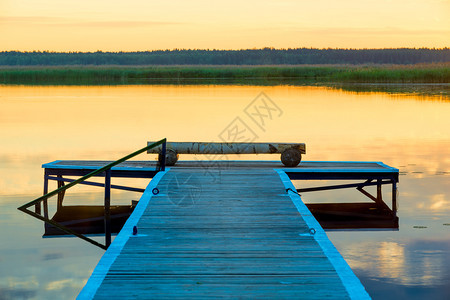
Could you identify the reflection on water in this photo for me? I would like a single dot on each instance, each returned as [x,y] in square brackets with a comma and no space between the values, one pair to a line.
[421,91]
[416,263]
[42,124]
[405,265]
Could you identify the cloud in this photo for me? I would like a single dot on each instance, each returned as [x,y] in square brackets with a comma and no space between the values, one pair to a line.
[59,284]
[51,256]
[25,287]
[7,293]
[58,21]
[370,31]
[289,27]
[438,202]
[35,19]
[121,24]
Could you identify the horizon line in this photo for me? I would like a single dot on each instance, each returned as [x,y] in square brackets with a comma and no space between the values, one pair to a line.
[214,49]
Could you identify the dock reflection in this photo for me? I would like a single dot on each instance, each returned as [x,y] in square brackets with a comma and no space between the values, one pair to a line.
[88,219]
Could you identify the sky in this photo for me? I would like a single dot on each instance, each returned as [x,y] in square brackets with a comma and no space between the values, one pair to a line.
[141,25]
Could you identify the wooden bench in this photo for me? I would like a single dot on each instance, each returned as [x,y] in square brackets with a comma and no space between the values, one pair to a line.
[291,153]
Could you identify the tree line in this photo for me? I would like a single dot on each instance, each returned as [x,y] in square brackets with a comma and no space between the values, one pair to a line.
[266,56]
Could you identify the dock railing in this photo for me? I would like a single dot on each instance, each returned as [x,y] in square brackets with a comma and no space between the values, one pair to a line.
[107,171]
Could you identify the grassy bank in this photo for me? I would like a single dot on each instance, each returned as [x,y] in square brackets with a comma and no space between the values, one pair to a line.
[93,75]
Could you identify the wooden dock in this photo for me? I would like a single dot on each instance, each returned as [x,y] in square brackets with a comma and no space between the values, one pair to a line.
[227,230]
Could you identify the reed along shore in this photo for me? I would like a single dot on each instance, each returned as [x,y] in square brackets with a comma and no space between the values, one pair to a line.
[93,75]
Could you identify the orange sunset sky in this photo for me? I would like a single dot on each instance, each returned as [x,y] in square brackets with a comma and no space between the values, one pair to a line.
[138,25]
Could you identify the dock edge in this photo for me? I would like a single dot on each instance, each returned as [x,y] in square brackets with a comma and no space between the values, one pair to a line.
[102,268]
[350,281]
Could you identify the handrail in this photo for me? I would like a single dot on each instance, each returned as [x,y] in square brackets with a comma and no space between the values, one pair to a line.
[25,207]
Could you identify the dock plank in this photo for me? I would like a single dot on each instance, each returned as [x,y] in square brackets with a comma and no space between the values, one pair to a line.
[221,234]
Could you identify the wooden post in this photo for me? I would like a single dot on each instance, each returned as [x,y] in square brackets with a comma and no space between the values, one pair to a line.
[163,157]
[394,197]
[60,194]
[379,194]
[45,202]
[107,207]
[37,206]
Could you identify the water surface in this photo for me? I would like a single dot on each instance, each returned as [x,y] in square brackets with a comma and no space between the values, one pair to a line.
[404,130]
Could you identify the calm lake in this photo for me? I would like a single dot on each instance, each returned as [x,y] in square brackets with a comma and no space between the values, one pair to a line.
[408,131]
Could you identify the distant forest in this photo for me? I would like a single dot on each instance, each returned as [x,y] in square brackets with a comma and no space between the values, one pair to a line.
[266,56]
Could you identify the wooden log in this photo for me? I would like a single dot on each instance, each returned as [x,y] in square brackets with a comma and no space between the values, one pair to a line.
[291,157]
[171,157]
[229,148]
[290,152]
